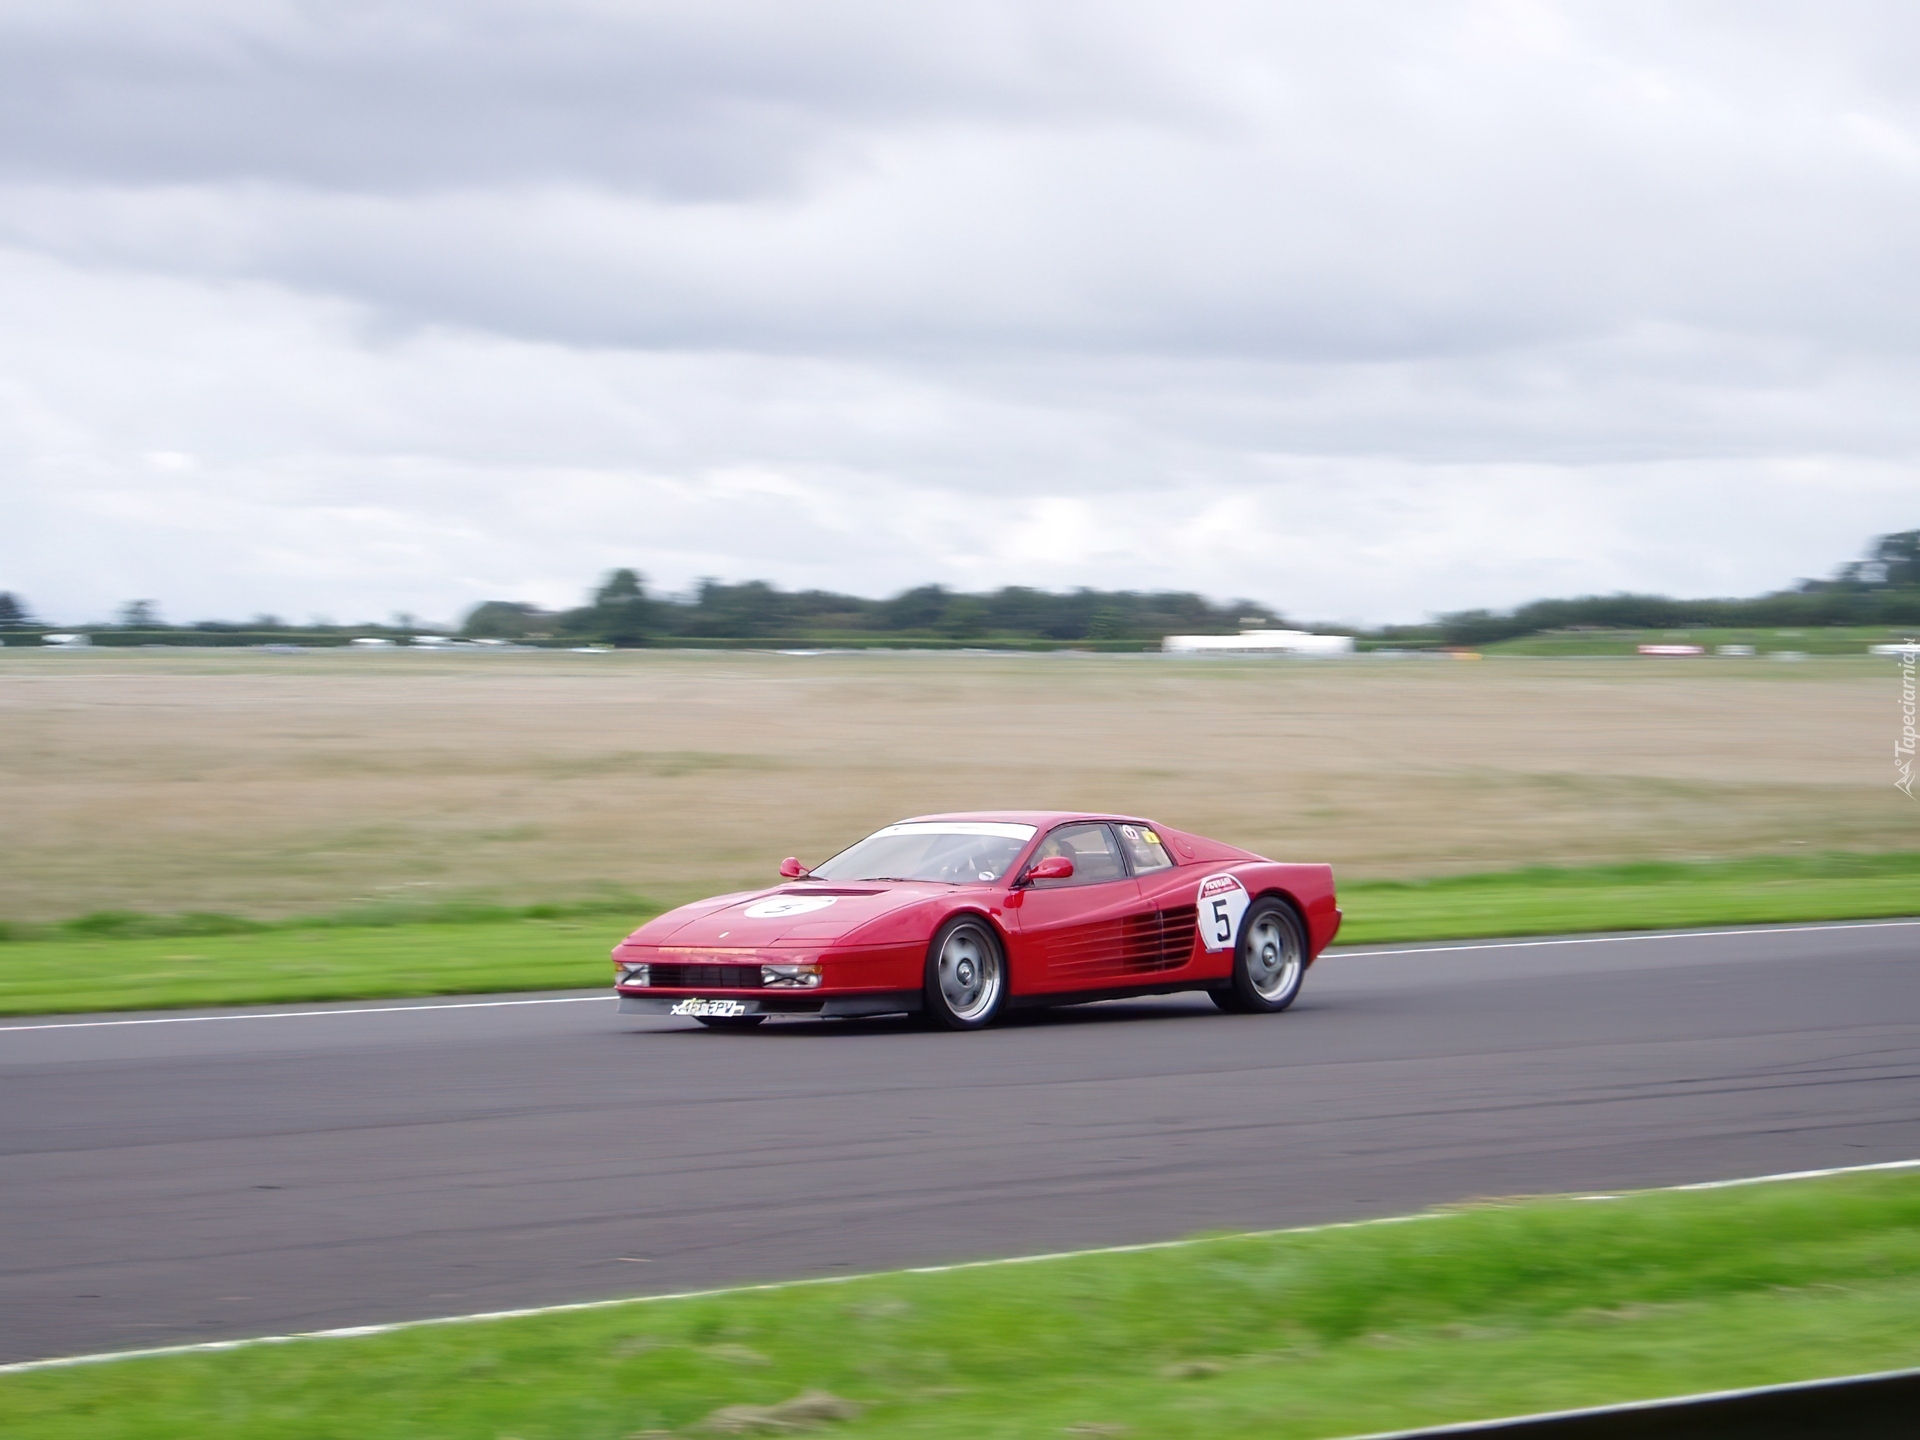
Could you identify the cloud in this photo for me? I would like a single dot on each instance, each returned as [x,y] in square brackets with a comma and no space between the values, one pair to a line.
[1363,310]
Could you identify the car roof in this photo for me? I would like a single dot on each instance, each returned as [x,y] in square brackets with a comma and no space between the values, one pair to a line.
[1191,848]
[1039,819]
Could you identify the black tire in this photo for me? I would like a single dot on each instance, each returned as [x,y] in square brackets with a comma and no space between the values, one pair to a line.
[730,1022]
[966,975]
[1269,960]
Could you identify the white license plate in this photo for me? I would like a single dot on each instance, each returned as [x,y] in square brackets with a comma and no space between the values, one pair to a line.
[708,1007]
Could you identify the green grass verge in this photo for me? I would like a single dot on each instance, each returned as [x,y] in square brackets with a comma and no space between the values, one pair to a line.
[1757,890]
[137,925]
[1478,1313]
[41,977]
[119,961]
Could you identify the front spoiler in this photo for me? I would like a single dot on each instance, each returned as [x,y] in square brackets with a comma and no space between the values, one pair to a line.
[890,1002]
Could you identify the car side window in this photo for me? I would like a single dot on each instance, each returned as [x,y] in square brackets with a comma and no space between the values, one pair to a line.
[1092,850]
[1144,849]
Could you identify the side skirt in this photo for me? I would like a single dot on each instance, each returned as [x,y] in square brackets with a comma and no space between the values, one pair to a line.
[1125,992]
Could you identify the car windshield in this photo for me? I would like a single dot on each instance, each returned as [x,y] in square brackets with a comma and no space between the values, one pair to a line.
[954,852]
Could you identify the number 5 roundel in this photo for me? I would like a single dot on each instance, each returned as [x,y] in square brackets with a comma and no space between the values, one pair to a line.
[1223,900]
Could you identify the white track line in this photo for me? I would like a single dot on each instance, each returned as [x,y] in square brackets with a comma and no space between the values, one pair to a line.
[349,1332]
[306,1014]
[1339,954]
[1626,939]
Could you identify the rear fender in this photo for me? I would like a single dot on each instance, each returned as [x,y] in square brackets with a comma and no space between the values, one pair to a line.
[1309,890]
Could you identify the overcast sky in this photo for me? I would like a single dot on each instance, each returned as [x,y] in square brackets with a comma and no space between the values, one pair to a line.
[1361,310]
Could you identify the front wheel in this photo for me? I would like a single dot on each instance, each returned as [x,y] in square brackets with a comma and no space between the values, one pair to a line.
[1268,962]
[966,979]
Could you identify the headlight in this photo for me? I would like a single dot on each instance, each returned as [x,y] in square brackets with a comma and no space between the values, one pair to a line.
[789,977]
[636,974]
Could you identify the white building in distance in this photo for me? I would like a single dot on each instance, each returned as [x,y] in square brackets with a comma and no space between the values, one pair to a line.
[1259,642]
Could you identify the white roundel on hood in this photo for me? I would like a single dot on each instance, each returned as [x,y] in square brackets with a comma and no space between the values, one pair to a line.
[781,906]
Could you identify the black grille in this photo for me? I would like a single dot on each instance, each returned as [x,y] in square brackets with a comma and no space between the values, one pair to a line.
[706,977]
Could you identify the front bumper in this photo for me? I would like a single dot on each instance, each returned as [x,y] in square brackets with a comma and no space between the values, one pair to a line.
[778,1002]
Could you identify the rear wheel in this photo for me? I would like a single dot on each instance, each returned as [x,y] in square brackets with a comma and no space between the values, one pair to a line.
[730,1022]
[966,979]
[1269,960]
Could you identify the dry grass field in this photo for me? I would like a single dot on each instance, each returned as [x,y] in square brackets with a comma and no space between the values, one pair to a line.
[276,784]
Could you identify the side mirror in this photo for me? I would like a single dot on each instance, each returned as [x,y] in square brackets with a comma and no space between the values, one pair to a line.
[791,869]
[1054,867]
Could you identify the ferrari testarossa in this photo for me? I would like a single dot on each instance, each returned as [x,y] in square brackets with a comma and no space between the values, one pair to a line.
[959,917]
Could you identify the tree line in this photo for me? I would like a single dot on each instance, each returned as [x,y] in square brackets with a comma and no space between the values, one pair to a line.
[1881,588]
[621,612]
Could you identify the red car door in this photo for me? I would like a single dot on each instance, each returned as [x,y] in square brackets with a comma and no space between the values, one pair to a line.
[1166,938]
[1072,933]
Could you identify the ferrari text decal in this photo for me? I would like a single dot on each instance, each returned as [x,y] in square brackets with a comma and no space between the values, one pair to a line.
[1223,900]
[781,906]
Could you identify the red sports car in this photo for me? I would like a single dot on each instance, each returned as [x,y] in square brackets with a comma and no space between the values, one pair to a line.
[959,917]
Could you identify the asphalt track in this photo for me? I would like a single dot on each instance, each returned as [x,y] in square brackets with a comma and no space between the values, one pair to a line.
[173,1182]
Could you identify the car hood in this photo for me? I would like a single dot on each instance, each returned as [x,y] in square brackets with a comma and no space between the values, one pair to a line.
[795,914]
